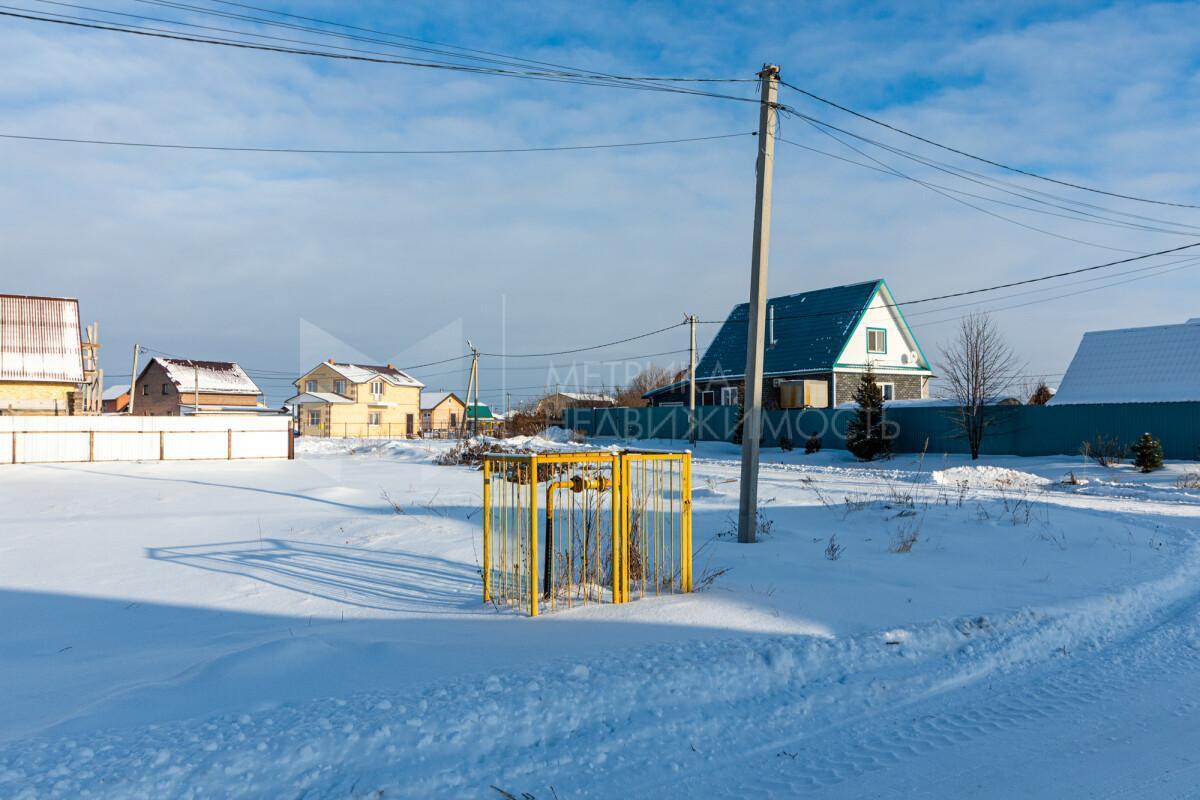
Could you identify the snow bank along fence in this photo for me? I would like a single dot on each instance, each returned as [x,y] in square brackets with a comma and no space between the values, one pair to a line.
[567,529]
[1017,430]
[32,440]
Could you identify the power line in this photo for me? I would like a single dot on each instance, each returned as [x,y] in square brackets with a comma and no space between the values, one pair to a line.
[981,290]
[892,170]
[1073,214]
[332,151]
[585,349]
[630,82]
[981,159]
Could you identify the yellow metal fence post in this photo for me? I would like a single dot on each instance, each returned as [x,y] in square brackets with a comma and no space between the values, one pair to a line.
[533,536]
[487,530]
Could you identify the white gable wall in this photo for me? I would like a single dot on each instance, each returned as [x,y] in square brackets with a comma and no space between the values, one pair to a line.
[900,345]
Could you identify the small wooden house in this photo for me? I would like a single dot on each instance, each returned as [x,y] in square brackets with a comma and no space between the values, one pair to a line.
[357,400]
[176,387]
[441,413]
[41,355]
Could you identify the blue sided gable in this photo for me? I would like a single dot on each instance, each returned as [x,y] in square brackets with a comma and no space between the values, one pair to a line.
[810,331]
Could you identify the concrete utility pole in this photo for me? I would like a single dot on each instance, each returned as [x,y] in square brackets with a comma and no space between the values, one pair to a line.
[692,381]
[133,379]
[752,400]
[473,383]
[196,387]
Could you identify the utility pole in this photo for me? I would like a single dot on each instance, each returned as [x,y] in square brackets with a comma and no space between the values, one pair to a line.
[692,381]
[473,383]
[752,400]
[196,387]
[133,379]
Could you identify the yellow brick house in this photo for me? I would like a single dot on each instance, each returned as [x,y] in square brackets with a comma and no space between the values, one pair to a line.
[357,400]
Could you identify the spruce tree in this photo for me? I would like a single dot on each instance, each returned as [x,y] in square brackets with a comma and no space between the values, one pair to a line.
[866,437]
[1147,453]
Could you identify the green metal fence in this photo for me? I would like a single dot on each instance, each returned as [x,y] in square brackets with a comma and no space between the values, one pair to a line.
[1016,430]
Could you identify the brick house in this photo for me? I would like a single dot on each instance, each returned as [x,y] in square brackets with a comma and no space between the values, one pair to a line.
[355,400]
[41,355]
[818,344]
[174,387]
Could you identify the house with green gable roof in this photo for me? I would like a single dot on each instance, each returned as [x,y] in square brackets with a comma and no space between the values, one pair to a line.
[818,344]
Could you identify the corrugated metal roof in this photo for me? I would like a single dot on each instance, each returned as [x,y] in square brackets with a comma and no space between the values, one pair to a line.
[810,330]
[1134,365]
[40,339]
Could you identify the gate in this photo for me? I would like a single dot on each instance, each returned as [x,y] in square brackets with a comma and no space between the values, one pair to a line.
[568,529]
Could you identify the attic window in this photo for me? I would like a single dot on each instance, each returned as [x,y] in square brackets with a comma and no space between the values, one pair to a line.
[876,340]
[164,388]
[339,387]
[310,386]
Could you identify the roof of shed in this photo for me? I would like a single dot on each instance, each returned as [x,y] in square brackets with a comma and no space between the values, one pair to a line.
[40,339]
[1158,364]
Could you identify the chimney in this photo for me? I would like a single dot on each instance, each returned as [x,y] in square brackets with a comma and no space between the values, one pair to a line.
[390,365]
[330,361]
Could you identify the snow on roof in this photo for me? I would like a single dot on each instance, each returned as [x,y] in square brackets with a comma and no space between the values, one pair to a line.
[589,398]
[218,377]
[431,400]
[318,397]
[40,339]
[1157,364]
[114,392]
[365,373]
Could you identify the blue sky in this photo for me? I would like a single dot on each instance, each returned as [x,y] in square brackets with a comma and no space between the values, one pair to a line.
[279,260]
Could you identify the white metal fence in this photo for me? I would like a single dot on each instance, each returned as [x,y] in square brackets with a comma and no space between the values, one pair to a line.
[32,440]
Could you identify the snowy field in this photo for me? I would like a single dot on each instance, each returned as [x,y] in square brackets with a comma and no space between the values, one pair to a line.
[1024,628]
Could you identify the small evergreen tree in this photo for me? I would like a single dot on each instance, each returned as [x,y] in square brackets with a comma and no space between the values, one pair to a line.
[866,437]
[1147,453]
[812,444]
[785,443]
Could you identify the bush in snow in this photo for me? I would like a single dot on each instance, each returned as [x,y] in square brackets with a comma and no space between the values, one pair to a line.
[812,444]
[833,550]
[785,443]
[1106,451]
[866,436]
[1147,453]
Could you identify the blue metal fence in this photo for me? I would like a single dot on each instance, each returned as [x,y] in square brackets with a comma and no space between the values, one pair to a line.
[1016,430]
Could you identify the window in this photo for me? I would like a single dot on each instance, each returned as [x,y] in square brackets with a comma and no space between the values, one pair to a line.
[145,390]
[376,387]
[708,397]
[373,418]
[876,340]
[164,389]
[888,390]
[729,395]
[310,386]
[339,387]
[314,418]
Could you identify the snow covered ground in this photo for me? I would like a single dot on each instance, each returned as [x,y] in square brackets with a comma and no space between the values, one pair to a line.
[913,628]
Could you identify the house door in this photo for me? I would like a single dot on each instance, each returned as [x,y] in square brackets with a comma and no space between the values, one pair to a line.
[408,424]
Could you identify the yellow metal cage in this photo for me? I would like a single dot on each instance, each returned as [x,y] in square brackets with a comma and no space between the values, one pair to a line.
[565,529]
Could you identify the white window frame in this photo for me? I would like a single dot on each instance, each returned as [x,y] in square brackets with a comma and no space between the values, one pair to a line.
[887,388]
[310,386]
[339,387]
[374,418]
[729,396]
[708,397]
[878,350]
[314,418]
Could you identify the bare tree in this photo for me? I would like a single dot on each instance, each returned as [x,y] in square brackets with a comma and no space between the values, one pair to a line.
[650,377]
[979,368]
